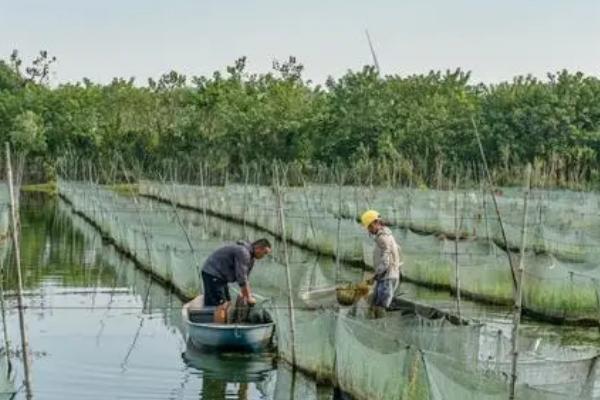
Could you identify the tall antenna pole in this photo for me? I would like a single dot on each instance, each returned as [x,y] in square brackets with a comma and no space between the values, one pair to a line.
[373,52]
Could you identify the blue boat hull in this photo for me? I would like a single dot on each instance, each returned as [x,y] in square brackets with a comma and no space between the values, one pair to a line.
[230,337]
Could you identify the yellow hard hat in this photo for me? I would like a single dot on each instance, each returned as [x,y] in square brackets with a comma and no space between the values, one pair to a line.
[368,217]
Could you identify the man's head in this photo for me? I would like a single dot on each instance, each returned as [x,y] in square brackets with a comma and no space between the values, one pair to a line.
[261,247]
[371,221]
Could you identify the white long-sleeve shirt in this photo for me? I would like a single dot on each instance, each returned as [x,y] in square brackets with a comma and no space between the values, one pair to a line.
[386,255]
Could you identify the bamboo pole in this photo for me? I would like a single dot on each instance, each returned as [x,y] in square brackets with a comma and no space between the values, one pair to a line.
[595,283]
[3,308]
[185,232]
[204,199]
[499,350]
[146,235]
[587,390]
[518,293]
[287,265]
[355,191]
[491,187]
[17,252]
[456,233]
[145,231]
[339,227]
[245,201]
[18,180]
[308,213]
[484,212]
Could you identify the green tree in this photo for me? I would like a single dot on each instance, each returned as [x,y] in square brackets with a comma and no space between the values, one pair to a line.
[28,135]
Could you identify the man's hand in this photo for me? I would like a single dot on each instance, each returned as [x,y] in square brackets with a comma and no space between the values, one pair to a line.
[247,295]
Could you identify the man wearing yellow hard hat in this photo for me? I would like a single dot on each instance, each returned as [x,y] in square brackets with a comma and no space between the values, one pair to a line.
[386,261]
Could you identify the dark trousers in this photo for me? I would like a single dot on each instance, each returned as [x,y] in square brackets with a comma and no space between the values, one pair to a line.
[216,291]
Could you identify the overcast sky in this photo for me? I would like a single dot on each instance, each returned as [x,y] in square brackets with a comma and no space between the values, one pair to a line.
[494,39]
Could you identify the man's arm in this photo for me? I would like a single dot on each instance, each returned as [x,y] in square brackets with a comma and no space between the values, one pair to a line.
[242,264]
[247,293]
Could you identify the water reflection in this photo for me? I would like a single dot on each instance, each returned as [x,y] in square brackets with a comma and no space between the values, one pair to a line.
[225,373]
[100,329]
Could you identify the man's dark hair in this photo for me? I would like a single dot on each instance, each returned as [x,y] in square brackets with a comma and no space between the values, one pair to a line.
[261,243]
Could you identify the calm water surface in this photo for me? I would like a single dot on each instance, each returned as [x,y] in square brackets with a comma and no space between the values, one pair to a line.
[101,329]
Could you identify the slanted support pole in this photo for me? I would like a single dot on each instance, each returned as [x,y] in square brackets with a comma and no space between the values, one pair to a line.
[518,293]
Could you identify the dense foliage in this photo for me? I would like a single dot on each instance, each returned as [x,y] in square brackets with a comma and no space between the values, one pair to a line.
[422,125]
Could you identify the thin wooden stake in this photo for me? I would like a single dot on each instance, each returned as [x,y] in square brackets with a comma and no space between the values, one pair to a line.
[595,283]
[245,201]
[484,213]
[308,213]
[204,193]
[491,187]
[499,350]
[15,237]
[185,232]
[146,235]
[145,231]
[587,390]
[3,310]
[456,233]
[518,293]
[287,265]
[339,228]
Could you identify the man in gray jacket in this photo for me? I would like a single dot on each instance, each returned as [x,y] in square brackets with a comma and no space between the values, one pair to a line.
[386,261]
[228,264]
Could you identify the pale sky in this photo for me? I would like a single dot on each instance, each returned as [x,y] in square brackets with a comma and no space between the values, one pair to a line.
[496,40]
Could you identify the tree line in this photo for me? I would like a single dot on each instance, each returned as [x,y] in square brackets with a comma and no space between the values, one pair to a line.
[423,126]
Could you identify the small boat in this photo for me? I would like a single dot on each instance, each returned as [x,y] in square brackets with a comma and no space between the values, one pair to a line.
[204,333]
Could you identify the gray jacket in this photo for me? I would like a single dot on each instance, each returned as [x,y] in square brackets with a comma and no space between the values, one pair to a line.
[231,263]
[386,255]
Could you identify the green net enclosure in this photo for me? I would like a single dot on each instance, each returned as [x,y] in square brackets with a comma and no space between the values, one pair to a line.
[560,242]
[406,355]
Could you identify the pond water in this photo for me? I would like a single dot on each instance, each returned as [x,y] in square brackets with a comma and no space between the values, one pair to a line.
[99,328]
